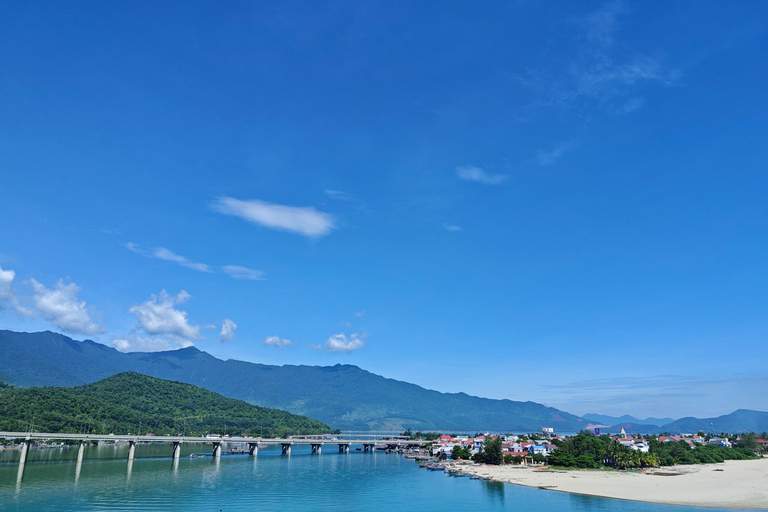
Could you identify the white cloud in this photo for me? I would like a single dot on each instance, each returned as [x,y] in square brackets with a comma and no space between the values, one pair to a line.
[277,342]
[8,293]
[476,174]
[159,316]
[305,221]
[340,342]
[235,271]
[553,155]
[449,227]
[227,330]
[239,272]
[139,344]
[62,308]
[360,313]
[164,254]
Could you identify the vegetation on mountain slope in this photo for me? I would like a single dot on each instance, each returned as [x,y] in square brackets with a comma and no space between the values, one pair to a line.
[134,403]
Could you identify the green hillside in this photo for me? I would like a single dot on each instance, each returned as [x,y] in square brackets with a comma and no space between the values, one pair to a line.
[134,403]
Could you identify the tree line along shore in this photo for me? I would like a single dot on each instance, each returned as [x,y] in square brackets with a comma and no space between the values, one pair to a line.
[586,450]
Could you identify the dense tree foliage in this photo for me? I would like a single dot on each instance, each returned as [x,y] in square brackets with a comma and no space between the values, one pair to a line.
[588,451]
[491,451]
[459,452]
[137,404]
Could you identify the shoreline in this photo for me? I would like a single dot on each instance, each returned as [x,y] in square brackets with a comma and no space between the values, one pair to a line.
[737,484]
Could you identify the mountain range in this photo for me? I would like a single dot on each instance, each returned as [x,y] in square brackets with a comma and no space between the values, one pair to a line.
[603,419]
[740,420]
[342,396]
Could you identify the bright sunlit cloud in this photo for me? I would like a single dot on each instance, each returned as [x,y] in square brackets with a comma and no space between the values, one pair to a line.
[61,306]
[305,221]
[228,328]
[341,343]
[158,315]
[277,342]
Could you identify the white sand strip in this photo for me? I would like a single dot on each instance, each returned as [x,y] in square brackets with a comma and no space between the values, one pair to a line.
[741,484]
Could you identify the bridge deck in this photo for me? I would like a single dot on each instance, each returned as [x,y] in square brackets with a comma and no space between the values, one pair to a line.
[217,440]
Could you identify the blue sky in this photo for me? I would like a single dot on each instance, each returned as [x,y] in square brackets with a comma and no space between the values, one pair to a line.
[553,201]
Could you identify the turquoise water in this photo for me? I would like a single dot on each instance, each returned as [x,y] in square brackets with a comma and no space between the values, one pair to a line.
[356,481]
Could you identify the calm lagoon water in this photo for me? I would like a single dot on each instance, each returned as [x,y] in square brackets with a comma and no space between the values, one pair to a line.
[356,481]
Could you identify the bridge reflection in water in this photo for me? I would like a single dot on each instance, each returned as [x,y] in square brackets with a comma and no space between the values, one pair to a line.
[316,443]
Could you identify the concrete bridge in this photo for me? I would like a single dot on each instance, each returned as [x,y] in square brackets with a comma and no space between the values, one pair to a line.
[316,443]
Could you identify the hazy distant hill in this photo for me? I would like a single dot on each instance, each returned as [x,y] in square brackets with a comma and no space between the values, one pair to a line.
[603,419]
[738,421]
[343,396]
[122,403]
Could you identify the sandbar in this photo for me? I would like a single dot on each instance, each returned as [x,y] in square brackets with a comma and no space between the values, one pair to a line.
[734,484]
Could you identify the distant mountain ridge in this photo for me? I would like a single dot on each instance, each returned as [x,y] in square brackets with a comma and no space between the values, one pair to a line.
[603,419]
[342,396]
[741,420]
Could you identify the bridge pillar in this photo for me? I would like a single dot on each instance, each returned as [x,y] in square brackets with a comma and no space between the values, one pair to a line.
[253,449]
[216,450]
[317,448]
[343,448]
[176,449]
[286,448]
[80,452]
[24,451]
[131,450]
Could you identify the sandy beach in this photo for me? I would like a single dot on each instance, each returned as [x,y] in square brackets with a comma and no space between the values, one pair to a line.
[732,484]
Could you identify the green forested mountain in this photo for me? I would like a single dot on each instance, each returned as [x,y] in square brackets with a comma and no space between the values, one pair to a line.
[134,403]
[343,396]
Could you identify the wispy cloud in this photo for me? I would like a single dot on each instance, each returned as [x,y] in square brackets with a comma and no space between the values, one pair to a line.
[164,254]
[161,253]
[159,315]
[228,328]
[450,227]
[477,175]
[61,306]
[133,343]
[239,272]
[599,71]
[551,156]
[305,221]
[339,195]
[277,342]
